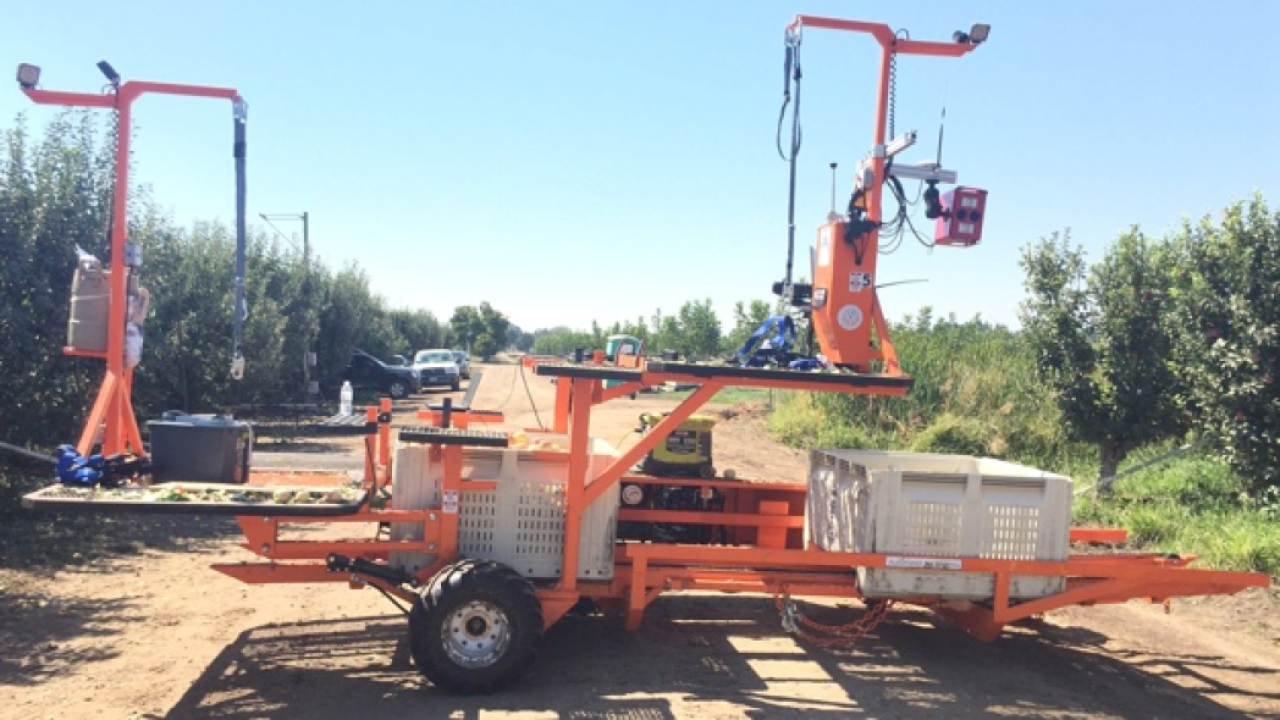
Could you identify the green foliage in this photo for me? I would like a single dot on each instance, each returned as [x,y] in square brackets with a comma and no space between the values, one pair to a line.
[54,195]
[699,331]
[694,331]
[1227,322]
[560,341]
[519,339]
[746,319]
[800,421]
[419,330]
[1102,346]
[481,330]
[1193,504]
[955,435]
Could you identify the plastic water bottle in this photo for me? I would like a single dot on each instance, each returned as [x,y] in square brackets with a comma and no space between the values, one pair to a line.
[348,394]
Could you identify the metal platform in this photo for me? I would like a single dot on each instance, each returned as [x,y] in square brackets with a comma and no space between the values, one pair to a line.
[203,499]
[657,371]
[355,424]
[451,436]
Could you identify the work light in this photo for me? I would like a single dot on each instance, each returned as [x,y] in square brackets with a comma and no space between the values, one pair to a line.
[28,75]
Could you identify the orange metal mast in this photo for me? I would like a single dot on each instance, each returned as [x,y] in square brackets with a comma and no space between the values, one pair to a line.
[113,409]
[844,310]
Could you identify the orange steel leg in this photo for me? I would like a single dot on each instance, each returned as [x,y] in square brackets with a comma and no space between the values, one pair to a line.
[774,538]
[384,437]
[575,495]
[564,390]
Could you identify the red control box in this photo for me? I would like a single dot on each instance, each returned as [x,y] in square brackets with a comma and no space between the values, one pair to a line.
[963,210]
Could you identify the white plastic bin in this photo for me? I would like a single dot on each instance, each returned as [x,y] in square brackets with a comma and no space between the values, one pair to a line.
[917,506]
[521,524]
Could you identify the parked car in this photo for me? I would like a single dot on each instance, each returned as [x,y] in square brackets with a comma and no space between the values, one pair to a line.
[464,364]
[437,368]
[368,372]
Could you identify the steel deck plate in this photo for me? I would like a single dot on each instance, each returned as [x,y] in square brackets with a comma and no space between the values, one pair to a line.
[258,500]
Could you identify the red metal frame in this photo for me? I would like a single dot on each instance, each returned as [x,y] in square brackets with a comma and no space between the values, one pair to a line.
[113,408]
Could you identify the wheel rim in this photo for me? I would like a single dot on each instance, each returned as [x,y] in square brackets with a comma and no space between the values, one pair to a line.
[476,634]
[399,390]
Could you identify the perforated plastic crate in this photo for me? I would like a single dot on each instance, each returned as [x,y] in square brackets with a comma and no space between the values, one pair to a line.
[917,506]
[520,524]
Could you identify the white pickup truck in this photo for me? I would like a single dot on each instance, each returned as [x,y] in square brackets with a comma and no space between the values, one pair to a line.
[437,368]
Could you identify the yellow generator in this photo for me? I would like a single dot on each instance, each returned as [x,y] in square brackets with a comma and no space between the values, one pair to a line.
[686,451]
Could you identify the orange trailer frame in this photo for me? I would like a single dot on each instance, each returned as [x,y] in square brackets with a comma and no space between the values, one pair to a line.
[765,552]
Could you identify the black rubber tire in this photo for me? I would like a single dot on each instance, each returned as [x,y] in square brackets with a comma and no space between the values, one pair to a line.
[456,385]
[398,389]
[494,587]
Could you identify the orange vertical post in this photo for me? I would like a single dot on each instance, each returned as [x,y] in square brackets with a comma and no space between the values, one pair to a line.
[564,390]
[575,489]
[450,498]
[773,538]
[384,435]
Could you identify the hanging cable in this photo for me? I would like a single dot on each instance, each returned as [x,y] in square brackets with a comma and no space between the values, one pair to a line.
[240,114]
[793,75]
[893,90]
[529,392]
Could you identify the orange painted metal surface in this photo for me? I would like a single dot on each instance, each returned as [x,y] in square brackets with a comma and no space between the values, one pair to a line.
[113,409]
[766,519]
[848,320]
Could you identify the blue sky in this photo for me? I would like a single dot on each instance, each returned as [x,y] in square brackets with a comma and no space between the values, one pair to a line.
[577,161]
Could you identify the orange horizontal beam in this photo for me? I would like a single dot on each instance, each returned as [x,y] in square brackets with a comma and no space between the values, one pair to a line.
[319,549]
[710,518]
[652,378]
[260,573]
[885,36]
[723,484]
[1099,535]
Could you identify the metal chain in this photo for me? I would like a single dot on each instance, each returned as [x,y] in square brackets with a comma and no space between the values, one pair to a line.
[893,92]
[795,622]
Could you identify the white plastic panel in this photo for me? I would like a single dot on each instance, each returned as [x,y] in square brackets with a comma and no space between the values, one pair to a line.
[917,505]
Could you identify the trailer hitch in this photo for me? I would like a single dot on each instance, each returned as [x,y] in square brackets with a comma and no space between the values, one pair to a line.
[360,566]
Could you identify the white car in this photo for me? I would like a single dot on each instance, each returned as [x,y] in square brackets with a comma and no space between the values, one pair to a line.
[464,364]
[437,368]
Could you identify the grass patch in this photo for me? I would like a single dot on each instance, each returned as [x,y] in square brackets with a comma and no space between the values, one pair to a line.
[730,395]
[1192,505]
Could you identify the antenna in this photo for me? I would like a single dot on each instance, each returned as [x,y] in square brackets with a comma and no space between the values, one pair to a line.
[832,216]
[942,127]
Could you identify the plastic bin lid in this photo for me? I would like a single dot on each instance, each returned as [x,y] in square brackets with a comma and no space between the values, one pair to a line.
[174,418]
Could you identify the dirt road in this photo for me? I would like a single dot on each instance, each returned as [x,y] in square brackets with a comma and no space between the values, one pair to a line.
[158,634]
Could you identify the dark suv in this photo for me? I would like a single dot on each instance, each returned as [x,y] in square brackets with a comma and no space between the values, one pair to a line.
[367,371]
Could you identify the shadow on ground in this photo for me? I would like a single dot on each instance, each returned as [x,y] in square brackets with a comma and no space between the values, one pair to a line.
[716,656]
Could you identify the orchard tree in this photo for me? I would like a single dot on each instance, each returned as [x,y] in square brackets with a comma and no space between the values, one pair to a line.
[747,318]
[559,341]
[419,329]
[1227,321]
[1100,343]
[482,329]
[699,330]
[519,339]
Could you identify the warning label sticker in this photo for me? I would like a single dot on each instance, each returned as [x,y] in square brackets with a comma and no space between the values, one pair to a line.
[923,563]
